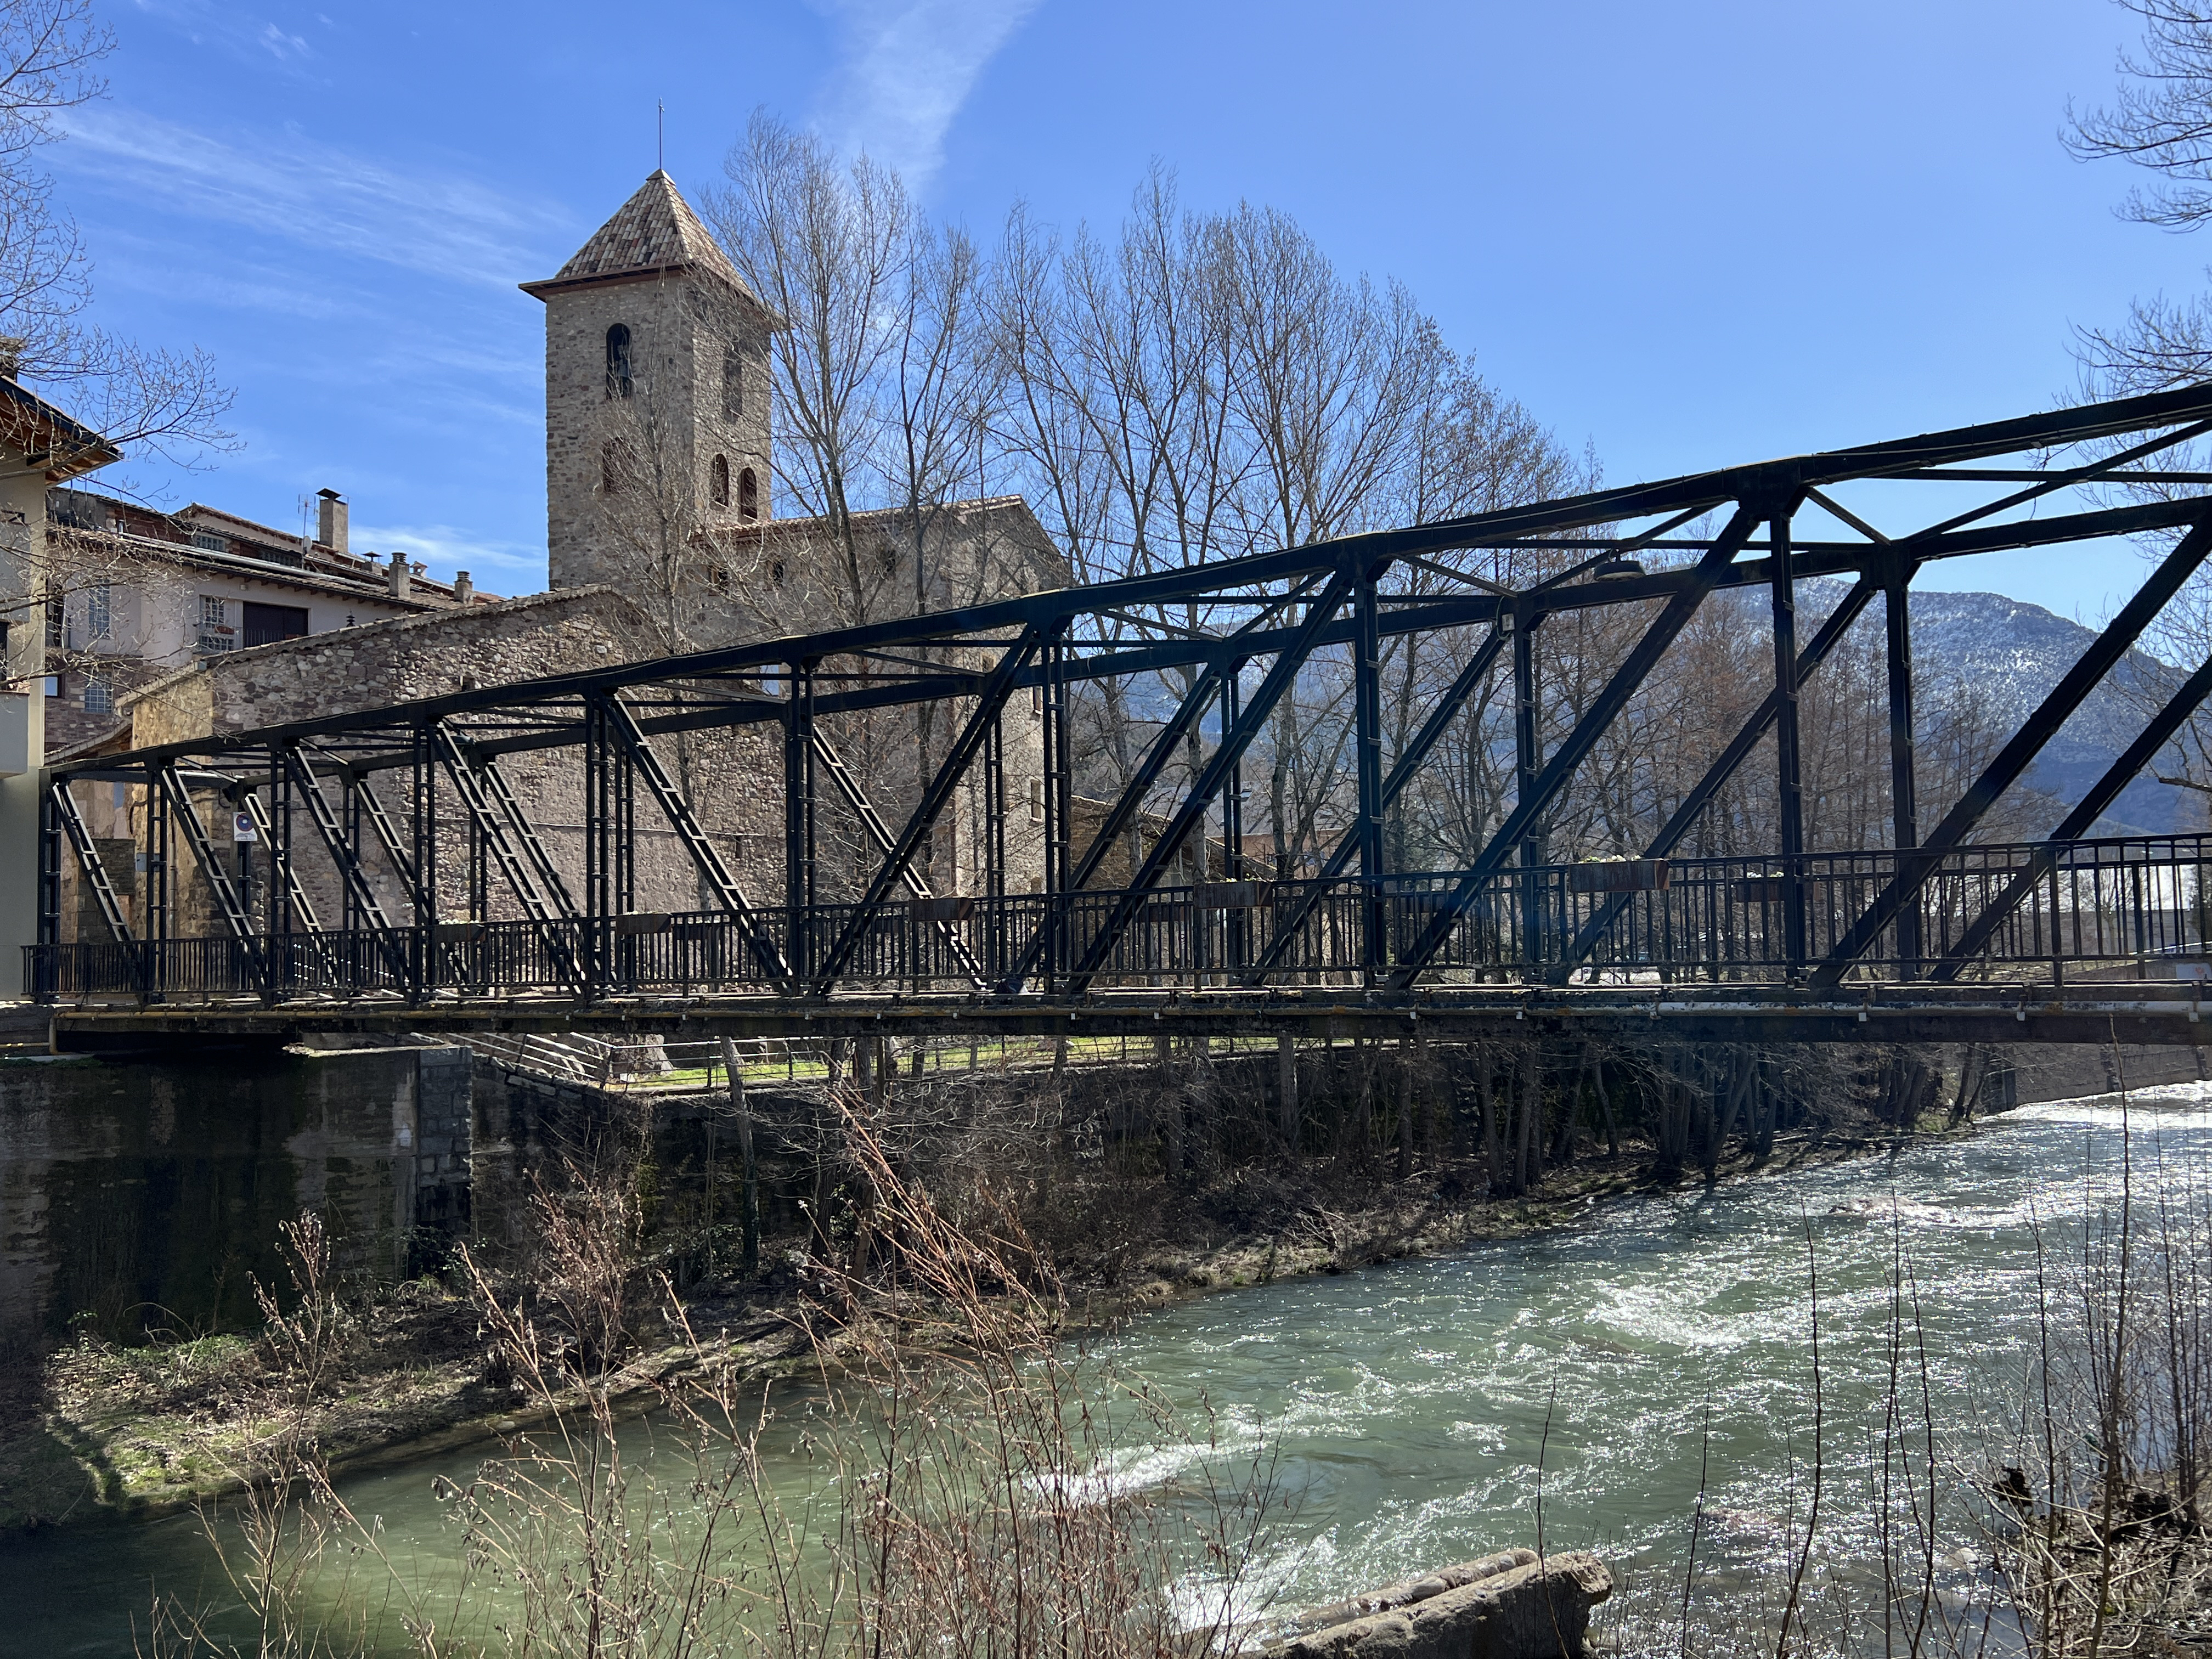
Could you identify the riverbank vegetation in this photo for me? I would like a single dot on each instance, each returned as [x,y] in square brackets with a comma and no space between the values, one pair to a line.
[934,1334]
[964,1511]
[1135,1185]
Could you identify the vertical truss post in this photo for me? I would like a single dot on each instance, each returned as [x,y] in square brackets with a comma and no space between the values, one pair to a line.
[50,896]
[355,911]
[994,842]
[159,849]
[609,852]
[1528,766]
[1367,736]
[596,812]
[1570,753]
[623,778]
[422,858]
[1058,800]
[1232,820]
[284,890]
[1788,780]
[1904,796]
[1914,868]
[479,872]
[799,821]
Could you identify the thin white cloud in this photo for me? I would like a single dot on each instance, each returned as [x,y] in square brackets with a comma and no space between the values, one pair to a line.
[282,46]
[212,22]
[907,68]
[319,196]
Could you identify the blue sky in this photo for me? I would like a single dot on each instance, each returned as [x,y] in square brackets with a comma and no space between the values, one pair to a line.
[1689,235]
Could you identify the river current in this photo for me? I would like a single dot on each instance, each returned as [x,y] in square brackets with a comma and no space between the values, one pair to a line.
[1661,1340]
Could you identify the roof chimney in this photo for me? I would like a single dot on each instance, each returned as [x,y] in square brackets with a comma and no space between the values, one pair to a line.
[330,519]
[463,589]
[401,582]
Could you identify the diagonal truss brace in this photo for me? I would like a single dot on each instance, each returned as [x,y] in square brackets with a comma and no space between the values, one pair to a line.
[500,794]
[466,784]
[1203,691]
[677,811]
[87,860]
[1570,754]
[1289,663]
[990,702]
[344,855]
[280,859]
[2139,754]
[1915,867]
[225,890]
[1716,775]
[388,835]
[825,753]
[1447,709]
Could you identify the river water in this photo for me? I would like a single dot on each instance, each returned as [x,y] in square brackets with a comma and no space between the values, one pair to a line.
[1410,1405]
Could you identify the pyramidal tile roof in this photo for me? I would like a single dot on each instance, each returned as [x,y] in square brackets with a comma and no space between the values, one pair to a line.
[653,231]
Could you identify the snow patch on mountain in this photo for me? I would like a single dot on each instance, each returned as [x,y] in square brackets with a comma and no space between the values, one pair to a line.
[2014,654]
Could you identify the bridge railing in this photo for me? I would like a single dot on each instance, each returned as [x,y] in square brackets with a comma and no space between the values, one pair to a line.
[2123,904]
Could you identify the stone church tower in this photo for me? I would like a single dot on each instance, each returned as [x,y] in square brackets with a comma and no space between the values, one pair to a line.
[656,390]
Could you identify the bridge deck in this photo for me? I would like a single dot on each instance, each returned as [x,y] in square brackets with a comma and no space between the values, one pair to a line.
[2158,1012]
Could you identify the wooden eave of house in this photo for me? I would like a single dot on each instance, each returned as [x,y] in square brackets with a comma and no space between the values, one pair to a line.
[61,446]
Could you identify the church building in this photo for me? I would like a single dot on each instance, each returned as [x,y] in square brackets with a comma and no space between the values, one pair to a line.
[660,473]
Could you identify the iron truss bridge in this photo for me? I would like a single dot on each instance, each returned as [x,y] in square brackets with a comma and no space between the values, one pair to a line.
[1938,937]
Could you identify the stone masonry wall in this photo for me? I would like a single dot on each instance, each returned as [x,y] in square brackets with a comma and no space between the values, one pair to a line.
[678,329]
[735,777]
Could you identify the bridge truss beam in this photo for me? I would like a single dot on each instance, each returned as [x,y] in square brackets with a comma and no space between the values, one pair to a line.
[1337,607]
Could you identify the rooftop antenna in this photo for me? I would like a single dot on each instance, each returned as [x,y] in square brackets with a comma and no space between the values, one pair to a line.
[660,136]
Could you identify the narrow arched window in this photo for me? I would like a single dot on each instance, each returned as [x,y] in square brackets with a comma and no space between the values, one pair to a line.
[611,467]
[619,378]
[733,383]
[718,481]
[748,494]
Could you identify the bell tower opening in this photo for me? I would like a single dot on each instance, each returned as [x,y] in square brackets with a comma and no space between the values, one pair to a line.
[656,367]
[619,383]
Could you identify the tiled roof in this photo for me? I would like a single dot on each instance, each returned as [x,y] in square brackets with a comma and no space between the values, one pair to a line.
[655,230]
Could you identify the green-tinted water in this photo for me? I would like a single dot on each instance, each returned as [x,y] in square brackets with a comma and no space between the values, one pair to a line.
[1408,1402]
